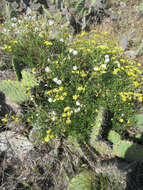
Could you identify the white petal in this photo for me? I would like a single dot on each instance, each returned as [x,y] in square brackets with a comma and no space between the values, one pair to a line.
[74,68]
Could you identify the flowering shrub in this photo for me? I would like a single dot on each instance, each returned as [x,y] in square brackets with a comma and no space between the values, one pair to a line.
[76,78]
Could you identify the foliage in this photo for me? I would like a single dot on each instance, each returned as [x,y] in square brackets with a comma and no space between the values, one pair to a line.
[97,126]
[87,180]
[18,91]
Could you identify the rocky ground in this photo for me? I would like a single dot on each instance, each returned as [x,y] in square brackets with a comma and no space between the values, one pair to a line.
[25,165]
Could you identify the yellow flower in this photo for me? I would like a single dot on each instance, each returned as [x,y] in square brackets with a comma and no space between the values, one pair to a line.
[66,108]
[47,43]
[47,139]
[4,120]
[61,89]
[75,97]
[68,113]
[64,115]
[65,94]
[16,119]
[68,121]
[121,120]
[80,88]
[136,84]
[140,99]
[48,131]
[96,110]
[61,98]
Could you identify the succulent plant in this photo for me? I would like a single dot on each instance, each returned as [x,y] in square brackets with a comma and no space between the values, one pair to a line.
[16,90]
[83,181]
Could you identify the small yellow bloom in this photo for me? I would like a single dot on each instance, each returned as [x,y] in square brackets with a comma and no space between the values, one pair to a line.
[4,120]
[64,115]
[68,113]
[48,131]
[75,97]
[121,120]
[47,43]
[51,136]
[61,98]
[68,121]
[65,94]
[67,109]
[140,99]
[16,119]
[96,110]
[47,139]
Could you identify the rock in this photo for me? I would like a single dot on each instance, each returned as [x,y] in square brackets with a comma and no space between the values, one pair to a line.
[115,17]
[123,4]
[16,126]
[14,144]
[28,11]
[35,7]
[132,34]
[140,15]
[15,5]
[124,42]
[130,54]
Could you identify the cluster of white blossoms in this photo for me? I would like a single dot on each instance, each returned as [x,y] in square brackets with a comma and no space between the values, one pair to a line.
[47,69]
[107,59]
[75,68]
[74,52]
[57,81]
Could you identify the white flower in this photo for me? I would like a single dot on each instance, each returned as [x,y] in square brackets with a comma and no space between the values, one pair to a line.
[118,64]
[71,50]
[13,24]
[103,71]
[61,40]
[51,22]
[59,82]
[107,60]
[104,66]
[53,118]
[77,110]
[50,100]
[14,19]
[74,68]
[53,113]
[36,28]
[19,21]
[77,103]
[75,52]
[47,69]
[106,56]
[95,68]
[55,79]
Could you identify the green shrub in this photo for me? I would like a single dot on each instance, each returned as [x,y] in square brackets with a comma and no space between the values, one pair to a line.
[75,78]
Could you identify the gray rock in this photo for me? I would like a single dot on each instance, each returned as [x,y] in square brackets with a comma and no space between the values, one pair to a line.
[132,34]
[130,54]
[14,144]
[123,4]
[28,11]
[35,7]
[124,42]
[16,126]
[115,17]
